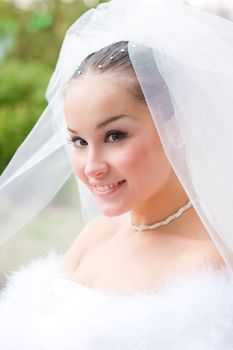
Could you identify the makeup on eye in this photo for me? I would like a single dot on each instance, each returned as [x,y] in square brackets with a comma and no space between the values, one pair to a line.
[74,139]
[116,135]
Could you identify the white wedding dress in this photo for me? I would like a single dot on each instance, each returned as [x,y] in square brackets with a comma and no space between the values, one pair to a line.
[41,309]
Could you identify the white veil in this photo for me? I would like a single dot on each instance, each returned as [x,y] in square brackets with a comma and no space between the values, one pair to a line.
[183,58]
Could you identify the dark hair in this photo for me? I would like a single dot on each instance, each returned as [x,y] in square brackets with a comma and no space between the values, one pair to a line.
[112,59]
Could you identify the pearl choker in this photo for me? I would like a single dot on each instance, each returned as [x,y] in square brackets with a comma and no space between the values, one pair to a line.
[161,223]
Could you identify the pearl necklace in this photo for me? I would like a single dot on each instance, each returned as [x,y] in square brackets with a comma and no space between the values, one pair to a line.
[161,223]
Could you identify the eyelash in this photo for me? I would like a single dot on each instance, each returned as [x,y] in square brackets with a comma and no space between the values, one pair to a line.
[122,135]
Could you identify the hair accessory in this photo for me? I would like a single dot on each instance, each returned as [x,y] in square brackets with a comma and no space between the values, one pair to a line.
[100,66]
[78,71]
[111,58]
[161,223]
[122,50]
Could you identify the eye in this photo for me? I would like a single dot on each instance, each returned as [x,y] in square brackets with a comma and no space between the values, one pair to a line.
[116,136]
[77,142]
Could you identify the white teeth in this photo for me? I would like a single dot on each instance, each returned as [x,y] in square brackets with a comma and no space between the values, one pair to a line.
[106,187]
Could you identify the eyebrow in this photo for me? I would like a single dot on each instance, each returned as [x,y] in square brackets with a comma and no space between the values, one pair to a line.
[106,122]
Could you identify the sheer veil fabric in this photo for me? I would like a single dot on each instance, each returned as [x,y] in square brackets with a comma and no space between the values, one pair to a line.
[183,58]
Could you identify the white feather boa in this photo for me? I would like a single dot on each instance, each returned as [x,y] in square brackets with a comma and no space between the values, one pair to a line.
[39,310]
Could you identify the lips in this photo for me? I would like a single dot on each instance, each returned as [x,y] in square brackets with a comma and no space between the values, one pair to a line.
[108,188]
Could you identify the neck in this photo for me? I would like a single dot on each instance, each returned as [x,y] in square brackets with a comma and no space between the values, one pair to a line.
[165,203]
[161,205]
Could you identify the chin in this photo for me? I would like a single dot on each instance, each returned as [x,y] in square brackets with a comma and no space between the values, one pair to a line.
[111,212]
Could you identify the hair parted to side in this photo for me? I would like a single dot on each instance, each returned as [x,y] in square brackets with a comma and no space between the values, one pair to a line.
[112,59]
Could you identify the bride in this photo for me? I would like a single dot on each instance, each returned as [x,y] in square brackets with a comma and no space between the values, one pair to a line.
[118,155]
[140,112]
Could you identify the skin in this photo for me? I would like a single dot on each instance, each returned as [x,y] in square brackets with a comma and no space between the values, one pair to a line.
[130,149]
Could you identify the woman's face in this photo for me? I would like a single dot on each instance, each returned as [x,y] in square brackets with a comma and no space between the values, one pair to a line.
[117,152]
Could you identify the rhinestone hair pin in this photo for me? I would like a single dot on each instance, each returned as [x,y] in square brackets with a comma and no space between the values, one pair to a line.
[111,58]
[100,66]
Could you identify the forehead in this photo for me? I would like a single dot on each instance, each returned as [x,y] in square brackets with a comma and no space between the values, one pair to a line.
[93,99]
[103,93]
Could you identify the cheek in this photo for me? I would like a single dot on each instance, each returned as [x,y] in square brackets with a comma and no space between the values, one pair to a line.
[136,156]
[77,166]
[144,150]
[147,160]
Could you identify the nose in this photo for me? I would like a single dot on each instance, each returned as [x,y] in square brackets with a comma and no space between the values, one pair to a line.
[95,165]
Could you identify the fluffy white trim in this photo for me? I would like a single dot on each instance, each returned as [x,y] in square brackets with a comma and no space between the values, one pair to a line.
[41,311]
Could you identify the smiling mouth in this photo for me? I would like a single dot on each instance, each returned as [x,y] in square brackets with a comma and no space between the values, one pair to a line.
[104,189]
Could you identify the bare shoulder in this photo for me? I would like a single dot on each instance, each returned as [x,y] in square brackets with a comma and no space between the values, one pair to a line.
[95,232]
[214,256]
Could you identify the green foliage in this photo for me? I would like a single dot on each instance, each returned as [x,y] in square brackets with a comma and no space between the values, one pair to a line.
[8,27]
[22,101]
[25,71]
[40,21]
